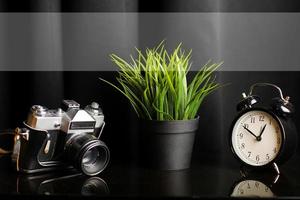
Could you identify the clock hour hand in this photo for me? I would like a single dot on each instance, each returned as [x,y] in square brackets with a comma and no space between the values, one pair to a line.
[250,132]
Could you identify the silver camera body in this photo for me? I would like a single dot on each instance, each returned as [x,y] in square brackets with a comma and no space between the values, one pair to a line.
[62,138]
[71,121]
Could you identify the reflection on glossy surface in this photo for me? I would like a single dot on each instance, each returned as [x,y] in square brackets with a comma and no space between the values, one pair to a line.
[208,180]
[256,184]
[94,186]
[252,188]
[166,183]
[54,184]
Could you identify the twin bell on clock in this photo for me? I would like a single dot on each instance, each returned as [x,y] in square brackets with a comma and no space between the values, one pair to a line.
[262,136]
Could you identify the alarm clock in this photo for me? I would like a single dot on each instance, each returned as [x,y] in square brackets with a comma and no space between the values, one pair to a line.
[260,135]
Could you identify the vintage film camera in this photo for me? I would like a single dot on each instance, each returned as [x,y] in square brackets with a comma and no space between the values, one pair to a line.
[60,139]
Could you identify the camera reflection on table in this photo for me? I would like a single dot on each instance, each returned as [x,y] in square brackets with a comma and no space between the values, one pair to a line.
[72,183]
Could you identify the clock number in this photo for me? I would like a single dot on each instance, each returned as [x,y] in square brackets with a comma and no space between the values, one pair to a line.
[241,135]
[278,140]
[277,129]
[275,150]
[266,189]
[257,158]
[241,191]
[246,125]
[248,186]
[270,122]
[256,184]
[243,146]
[249,154]
[261,118]
[267,156]
[252,120]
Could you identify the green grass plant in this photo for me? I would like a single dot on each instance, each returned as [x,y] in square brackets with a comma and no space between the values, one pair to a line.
[155,83]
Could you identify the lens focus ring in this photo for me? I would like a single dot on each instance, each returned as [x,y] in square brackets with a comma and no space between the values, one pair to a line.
[87,154]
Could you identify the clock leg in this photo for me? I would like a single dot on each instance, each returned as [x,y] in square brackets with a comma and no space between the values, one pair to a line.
[244,171]
[275,166]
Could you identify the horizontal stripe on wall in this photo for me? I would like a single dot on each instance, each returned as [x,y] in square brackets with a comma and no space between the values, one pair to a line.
[149,6]
[83,41]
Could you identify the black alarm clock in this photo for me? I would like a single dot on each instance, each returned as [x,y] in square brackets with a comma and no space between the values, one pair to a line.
[263,136]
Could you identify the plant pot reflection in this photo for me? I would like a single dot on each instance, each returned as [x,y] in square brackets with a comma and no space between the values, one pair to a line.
[167,183]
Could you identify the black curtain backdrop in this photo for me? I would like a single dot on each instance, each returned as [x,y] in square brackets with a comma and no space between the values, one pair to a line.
[22,88]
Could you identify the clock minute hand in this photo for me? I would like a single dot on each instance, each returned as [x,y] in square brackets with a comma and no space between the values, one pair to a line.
[250,132]
[262,130]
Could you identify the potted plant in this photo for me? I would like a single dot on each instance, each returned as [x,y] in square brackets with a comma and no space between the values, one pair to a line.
[165,101]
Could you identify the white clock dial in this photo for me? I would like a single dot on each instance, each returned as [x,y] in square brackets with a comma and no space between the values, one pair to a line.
[252,188]
[256,138]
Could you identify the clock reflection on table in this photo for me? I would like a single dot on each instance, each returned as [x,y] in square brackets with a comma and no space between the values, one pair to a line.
[263,183]
[61,184]
[252,188]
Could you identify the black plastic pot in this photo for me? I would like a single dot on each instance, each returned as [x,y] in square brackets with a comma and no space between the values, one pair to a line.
[167,145]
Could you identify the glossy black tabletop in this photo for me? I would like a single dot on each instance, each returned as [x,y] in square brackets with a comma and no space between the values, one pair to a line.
[202,180]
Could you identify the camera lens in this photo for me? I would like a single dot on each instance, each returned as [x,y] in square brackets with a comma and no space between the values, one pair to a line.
[88,154]
[90,157]
[93,160]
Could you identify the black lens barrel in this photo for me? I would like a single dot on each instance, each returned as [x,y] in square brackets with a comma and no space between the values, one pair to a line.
[87,153]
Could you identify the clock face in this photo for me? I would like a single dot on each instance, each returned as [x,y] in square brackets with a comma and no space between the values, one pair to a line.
[252,188]
[256,138]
